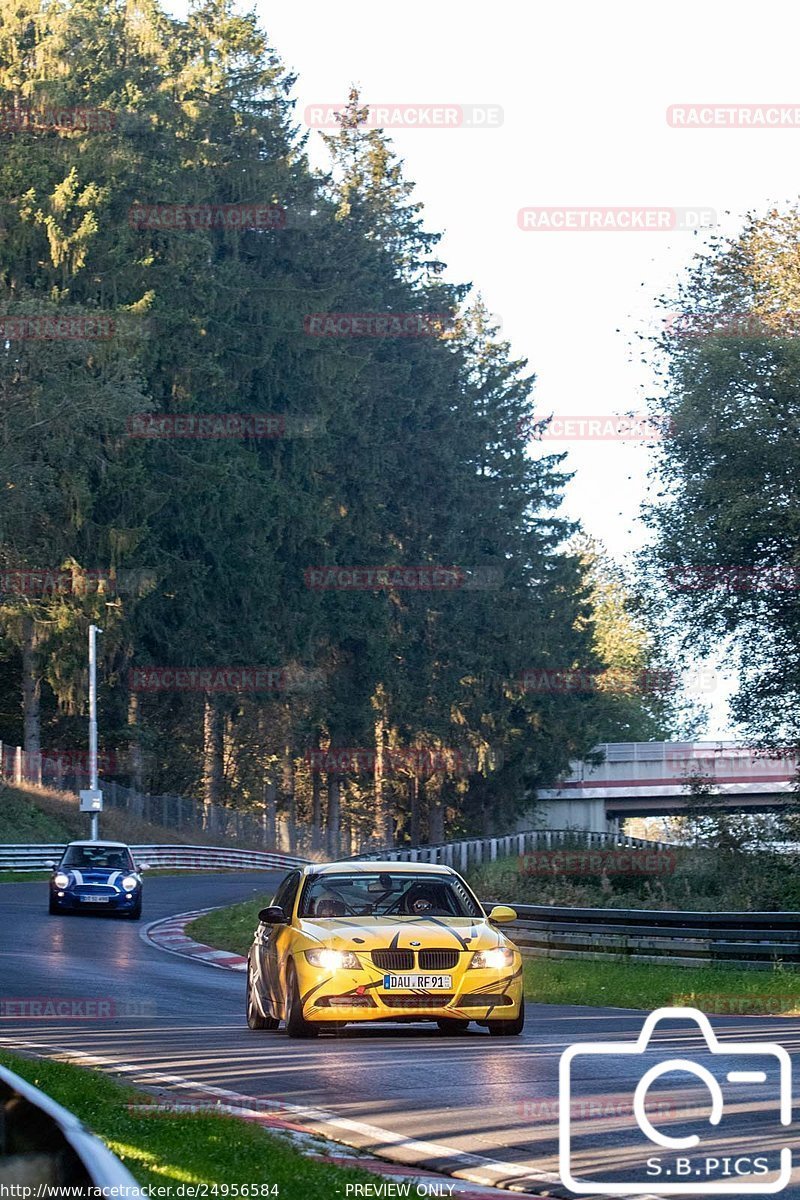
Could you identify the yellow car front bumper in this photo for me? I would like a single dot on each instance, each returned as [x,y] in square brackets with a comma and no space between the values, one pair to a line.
[475,994]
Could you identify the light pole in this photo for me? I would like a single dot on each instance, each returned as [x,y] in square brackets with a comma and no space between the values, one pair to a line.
[93,631]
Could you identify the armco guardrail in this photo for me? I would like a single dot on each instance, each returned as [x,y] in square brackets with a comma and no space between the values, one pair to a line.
[176,858]
[43,1145]
[474,851]
[737,939]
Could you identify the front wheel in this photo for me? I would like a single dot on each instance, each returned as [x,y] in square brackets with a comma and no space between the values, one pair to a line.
[296,1024]
[255,1020]
[54,909]
[512,1028]
[136,912]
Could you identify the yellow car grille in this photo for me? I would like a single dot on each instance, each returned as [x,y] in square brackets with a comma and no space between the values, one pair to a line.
[440,959]
[394,960]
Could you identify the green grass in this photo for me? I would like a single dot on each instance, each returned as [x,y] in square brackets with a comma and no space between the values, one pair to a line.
[165,1149]
[229,928]
[583,981]
[652,985]
[23,820]
[24,876]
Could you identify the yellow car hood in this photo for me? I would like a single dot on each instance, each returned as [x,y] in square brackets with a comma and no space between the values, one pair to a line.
[398,933]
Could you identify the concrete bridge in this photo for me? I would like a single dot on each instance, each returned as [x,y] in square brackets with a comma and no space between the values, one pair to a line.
[647,779]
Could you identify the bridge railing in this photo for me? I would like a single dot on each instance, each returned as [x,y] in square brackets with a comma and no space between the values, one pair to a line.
[475,851]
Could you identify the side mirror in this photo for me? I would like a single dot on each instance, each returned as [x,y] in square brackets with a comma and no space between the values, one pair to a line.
[274,915]
[501,914]
[143,867]
[51,864]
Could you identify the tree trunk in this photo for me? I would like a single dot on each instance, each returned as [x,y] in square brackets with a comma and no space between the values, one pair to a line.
[334,790]
[270,809]
[436,815]
[291,798]
[316,810]
[413,790]
[383,817]
[213,756]
[31,687]
[135,743]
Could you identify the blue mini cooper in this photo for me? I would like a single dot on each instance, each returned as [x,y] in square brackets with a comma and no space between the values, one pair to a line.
[99,877]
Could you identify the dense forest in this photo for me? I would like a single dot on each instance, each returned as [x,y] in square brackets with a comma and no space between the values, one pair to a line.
[249,429]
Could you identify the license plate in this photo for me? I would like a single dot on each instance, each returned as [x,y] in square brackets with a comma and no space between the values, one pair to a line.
[430,983]
[95,899]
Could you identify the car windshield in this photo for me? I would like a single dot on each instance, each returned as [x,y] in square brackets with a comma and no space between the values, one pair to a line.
[387,894]
[115,858]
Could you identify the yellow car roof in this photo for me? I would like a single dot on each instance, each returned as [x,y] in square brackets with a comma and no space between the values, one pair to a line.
[367,866]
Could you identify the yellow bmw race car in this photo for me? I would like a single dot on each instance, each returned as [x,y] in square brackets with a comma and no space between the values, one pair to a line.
[381,941]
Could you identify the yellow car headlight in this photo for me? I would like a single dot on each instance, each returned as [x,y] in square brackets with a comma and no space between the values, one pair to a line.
[333,960]
[501,956]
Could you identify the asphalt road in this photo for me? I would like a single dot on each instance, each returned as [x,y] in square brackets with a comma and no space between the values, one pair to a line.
[483,1107]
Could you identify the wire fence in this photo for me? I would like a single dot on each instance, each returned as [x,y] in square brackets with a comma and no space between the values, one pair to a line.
[69,773]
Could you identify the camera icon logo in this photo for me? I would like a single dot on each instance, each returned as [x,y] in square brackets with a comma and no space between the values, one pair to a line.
[675,1172]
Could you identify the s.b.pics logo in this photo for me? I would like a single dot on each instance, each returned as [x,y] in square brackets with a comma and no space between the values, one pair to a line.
[728,1106]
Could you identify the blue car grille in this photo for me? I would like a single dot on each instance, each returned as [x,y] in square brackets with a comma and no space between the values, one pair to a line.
[94,889]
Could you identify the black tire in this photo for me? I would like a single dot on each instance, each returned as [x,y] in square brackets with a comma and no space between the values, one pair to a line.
[512,1028]
[54,909]
[255,1020]
[296,1024]
[452,1026]
[136,912]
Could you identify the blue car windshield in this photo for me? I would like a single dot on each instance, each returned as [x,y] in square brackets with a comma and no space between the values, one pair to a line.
[87,858]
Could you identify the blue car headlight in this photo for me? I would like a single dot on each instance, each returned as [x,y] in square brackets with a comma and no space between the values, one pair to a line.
[130,883]
[61,880]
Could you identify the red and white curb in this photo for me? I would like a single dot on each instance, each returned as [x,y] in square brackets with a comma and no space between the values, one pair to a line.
[170,934]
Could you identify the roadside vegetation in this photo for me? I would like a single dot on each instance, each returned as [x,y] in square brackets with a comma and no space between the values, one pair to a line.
[163,1148]
[687,879]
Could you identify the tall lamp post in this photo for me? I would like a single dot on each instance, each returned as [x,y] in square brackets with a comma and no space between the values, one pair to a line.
[92,800]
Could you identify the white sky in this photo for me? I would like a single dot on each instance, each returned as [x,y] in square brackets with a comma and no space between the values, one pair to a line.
[584,89]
